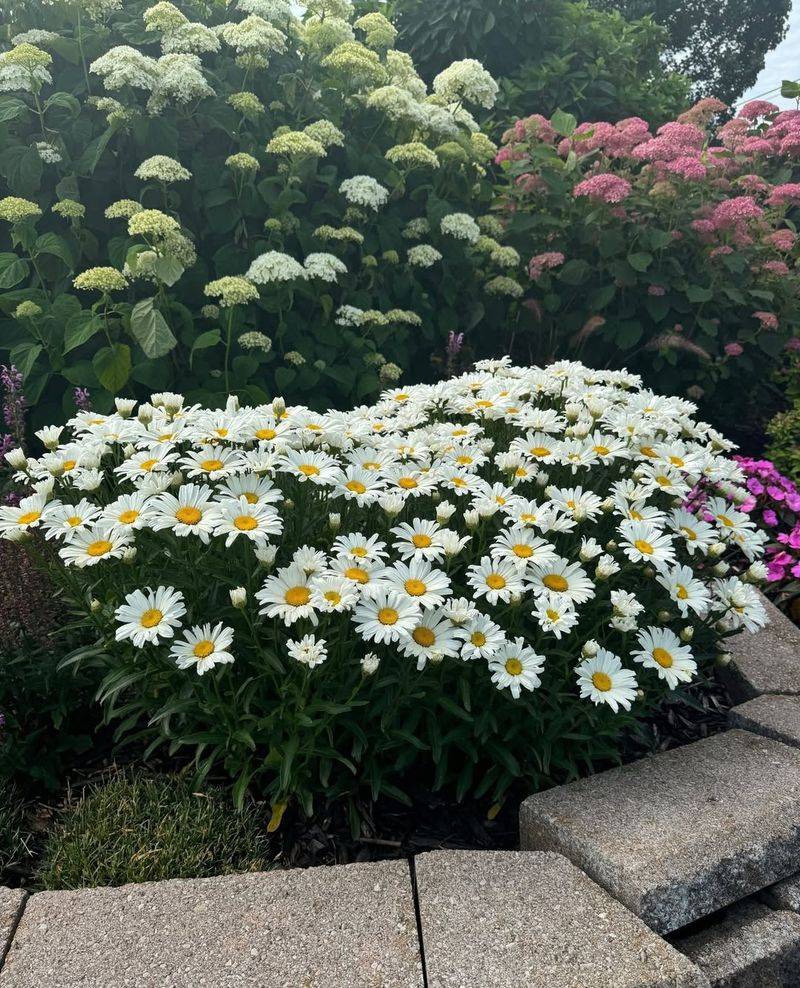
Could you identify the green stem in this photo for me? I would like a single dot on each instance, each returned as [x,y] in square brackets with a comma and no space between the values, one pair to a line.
[228,351]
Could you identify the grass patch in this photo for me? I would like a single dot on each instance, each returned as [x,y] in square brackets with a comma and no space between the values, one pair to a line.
[138,828]
[15,836]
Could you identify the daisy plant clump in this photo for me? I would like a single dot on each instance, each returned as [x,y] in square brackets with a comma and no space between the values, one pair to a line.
[265,194]
[475,582]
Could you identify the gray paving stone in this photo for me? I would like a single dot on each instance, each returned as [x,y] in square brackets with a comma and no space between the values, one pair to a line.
[767,662]
[510,919]
[750,947]
[775,717]
[352,926]
[681,834]
[11,902]
[783,895]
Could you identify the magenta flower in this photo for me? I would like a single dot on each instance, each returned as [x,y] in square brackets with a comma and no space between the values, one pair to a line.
[604,187]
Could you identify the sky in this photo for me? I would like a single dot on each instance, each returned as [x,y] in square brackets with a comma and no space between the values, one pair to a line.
[781,63]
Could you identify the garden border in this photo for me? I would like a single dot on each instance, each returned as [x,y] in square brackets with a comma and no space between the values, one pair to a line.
[363,925]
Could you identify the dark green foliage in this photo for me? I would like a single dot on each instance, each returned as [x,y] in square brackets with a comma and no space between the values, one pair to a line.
[142,829]
[548,54]
[15,837]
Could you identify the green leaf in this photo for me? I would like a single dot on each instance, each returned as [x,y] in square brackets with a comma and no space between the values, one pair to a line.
[11,108]
[204,341]
[574,272]
[168,269]
[65,101]
[112,365]
[790,89]
[13,270]
[640,261]
[51,243]
[284,377]
[697,293]
[80,328]
[563,123]
[150,330]
[24,357]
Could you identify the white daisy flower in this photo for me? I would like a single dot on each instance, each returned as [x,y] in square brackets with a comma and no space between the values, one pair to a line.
[418,580]
[685,590]
[603,680]
[519,545]
[27,514]
[555,614]
[482,638]
[190,512]
[333,594]
[203,647]
[363,572]
[255,489]
[287,595]
[562,578]
[308,650]
[494,579]
[60,521]
[356,545]
[661,649]
[129,512]
[89,546]
[698,534]
[385,616]
[420,538]
[432,638]
[211,462]
[309,465]
[740,605]
[516,666]
[256,522]
[642,542]
[149,615]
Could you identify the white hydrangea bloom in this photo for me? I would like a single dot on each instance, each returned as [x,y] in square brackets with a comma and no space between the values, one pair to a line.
[125,66]
[461,226]
[402,73]
[363,190]
[35,37]
[190,39]
[423,256]
[275,11]
[253,36]
[349,315]
[466,81]
[326,267]
[180,79]
[275,266]
[398,104]
[162,168]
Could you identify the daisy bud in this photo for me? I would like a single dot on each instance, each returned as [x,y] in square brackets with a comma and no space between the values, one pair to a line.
[471,519]
[238,597]
[720,568]
[611,545]
[128,451]
[640,694]
[551,491]
[369,664]
[288,504]
[488,508]
[444,512]
[278,407]
[687,633]
[664,616]
[606,566]
[436,497]
[740,495]
[95,605]
[334,521]
[176,479]
[232,405]
[542,479]
[266,556]
[392,504]
[590,649]
[516,598]
[608,505]
[649,572]
[145,413]
[756,572]
[44,487]
[50,436]
[724,659]
[17,459]
[125,406]
[129,554]
[716,549]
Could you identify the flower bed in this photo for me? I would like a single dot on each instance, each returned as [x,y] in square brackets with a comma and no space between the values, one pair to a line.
[483,580]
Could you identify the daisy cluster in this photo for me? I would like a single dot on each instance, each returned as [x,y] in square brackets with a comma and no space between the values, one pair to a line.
[526,523]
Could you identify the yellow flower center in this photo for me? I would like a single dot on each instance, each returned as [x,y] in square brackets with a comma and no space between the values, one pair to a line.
[74,521]
[522,550]
[689,533]
[539,451]
[333,597]
[553,615]
[221,432]
[388,616]
[484,403]
[356,486]
[421,541]
[415,588]
[151,618]
[647,451]
[69,465]
[203,649]
[424,637]
[297,596]
[520,472]
[250,497]
[188,516]
[601,450]
[357,575]
[602,681]
[478,639]
[29,517]
[407,483]
[662,657]
[677,461]
[313,427]
[401,397]
[309,470]
[245,523]
[495,582]
[99,548]
[644,547]
[513,666]
[681,592]
[663,481]
[147,465]
[464,461]
[165,436]
[359,551]
[211,465]
[725,521]
[371,465]
[265,433]
[527,517]
[128,517]
[555,582]
[635,515]
[459,482]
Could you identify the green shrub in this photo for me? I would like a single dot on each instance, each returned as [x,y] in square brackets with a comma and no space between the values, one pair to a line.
[548,54]
[142,829]
[279,149]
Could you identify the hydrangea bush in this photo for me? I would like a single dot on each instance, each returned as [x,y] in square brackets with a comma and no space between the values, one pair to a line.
[228,198]
[673,253]
[487,579]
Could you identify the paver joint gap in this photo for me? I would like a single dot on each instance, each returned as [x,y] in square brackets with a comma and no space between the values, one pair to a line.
[13,931]
[413,871]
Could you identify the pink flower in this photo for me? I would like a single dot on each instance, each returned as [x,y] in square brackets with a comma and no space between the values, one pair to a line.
[781,239]
[604,187]
[544,262]
[656,290]
[768,320]
[771,519]
[779,268]
[734,349]
[757,108]
[786,194]
[793,343]
[688,168]
[736,210]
